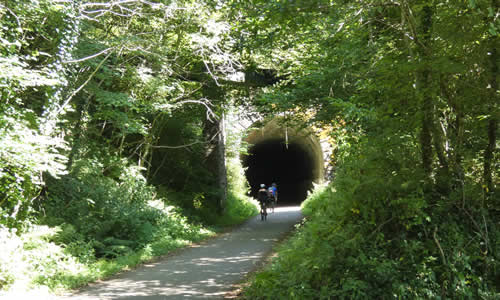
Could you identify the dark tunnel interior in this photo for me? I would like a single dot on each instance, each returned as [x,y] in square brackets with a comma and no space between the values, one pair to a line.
[291,168]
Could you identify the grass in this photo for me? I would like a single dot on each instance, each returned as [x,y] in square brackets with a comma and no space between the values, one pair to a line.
[31,262]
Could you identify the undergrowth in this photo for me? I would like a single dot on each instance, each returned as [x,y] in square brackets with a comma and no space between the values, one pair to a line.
[56,259]
[93,226]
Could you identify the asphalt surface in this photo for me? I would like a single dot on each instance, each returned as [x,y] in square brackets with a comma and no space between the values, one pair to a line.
[205,271]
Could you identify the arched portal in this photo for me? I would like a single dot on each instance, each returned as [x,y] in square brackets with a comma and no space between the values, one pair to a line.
[291,157]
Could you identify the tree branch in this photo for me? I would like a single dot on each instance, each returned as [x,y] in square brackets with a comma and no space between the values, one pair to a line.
[82,86]
[88,57]
[434,235]
[188,145]
[206,103]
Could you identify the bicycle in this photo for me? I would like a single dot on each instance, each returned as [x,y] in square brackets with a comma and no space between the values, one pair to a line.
[263,211]
[272,204]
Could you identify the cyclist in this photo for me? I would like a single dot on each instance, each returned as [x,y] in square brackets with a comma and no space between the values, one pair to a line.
[272,192]
[263,200]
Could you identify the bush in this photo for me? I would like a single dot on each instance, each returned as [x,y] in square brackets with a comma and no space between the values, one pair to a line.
[99,227]
[24,156]
[112,215]
[33,259]
[239,206]
[9,243]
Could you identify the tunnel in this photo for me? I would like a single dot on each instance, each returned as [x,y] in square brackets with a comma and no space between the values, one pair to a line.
[290,157]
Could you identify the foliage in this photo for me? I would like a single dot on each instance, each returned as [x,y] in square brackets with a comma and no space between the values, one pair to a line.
[24,258]
[58,258]
[175,166]
[340,253]
[106,225]
[239,205]
[25,156]
[27,70]
[410,92]
[98,102]
[113,216]
[82,77]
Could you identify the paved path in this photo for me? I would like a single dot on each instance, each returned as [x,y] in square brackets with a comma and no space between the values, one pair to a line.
[205,271]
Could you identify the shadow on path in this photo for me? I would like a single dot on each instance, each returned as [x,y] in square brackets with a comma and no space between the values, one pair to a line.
[205,271]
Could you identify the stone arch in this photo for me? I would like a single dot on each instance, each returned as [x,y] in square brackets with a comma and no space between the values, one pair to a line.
[290,155]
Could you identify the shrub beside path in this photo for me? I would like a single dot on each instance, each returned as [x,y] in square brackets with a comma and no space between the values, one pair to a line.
[205,271]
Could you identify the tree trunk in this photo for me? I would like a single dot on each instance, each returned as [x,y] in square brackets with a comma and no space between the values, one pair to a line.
[76,141]
[492,123]
[443,173]
[424,83]
[216,158]
[77,131]
[221,165]
[427,120]
[489,153]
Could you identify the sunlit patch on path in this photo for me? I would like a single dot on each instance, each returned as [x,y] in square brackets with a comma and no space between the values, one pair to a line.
[206,271]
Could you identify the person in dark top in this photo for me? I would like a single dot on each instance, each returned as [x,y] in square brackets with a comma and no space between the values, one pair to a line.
[262,194]
[263,198]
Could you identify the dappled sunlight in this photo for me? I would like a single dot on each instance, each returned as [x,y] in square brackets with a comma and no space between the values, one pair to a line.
[234,259]
[204,271]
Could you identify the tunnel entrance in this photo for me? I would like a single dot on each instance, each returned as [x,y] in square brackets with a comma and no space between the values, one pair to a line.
[290,156]
[291,168]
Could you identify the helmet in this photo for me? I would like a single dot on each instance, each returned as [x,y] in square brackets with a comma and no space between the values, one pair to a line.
[274,184]
[262,185]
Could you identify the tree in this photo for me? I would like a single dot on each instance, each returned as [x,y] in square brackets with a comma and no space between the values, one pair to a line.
[399,83]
